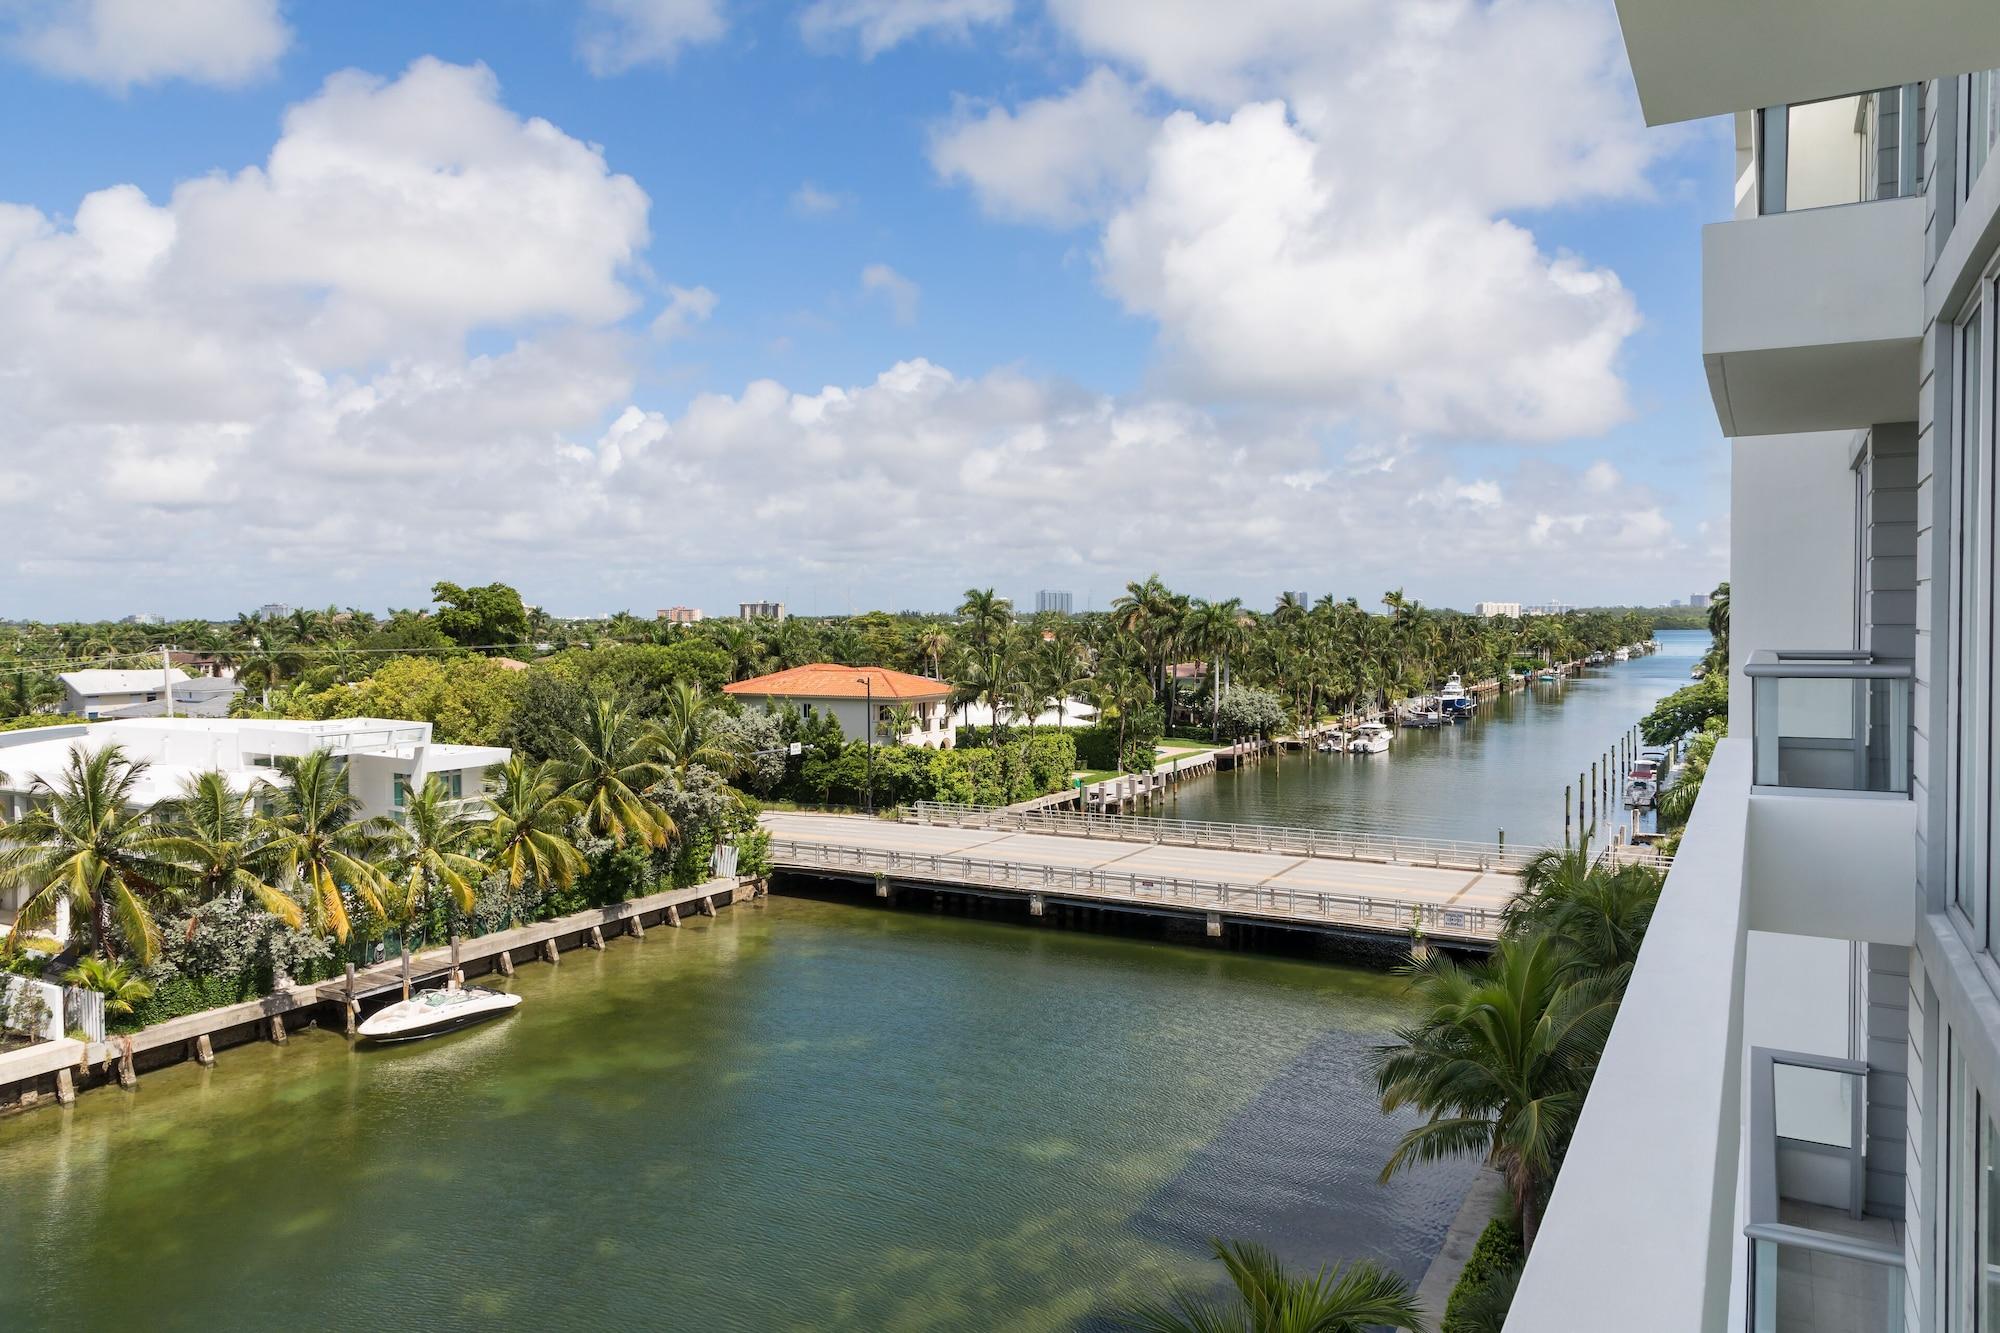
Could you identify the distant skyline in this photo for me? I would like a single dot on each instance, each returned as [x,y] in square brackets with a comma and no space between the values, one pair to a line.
[846,303]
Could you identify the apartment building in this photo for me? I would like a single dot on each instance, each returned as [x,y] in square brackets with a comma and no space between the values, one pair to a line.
[1796,1123]
[1489,610]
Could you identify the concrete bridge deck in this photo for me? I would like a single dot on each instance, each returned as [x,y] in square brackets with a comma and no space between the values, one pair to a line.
[1457,905]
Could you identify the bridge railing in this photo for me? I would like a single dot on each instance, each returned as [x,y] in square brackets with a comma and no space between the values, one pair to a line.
[1383,914]
[1392,849]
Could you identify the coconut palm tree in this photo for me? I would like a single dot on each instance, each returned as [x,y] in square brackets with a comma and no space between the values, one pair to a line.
[900,722]
[221,846]
[984,617]
[1597,912]
[116,982]
[606,767]
[1267,1299]
[1121,691]
[325,850]
[685,735]
[84,841]
[435,855]
[1500,1061]
[528,825]
[933,641]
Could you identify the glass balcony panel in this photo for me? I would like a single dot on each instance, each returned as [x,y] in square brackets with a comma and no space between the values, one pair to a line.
[1843,150]
[1801,1289]
[1830,722]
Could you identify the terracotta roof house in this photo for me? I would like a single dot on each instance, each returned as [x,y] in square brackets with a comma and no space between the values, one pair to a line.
[845,693]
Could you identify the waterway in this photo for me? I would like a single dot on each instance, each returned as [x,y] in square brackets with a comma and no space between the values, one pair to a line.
[799,1115]
[1503,770]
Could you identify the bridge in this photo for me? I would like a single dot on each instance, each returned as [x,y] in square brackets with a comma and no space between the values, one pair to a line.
[1343,883]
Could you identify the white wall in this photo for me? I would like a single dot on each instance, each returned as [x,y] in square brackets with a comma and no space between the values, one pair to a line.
[1792,560]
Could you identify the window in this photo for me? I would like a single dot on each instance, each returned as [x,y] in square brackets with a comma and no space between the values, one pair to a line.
[402,781]
[454,784]
[1981,123]
[1972,571]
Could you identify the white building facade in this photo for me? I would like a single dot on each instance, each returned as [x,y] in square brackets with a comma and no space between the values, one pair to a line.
[864,700]
[1489,610]
[1796,1123]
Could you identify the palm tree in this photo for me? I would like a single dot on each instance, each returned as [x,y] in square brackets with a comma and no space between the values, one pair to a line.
[325,850]
[1500,1061]
[606,769]
[222,847]
[1267,1299]
[528,826]
[84,842]
[900,722]
[984,616]
[685,735]
[114,981]
[1121,691]
[933,642]
[437,852]
[1598,913]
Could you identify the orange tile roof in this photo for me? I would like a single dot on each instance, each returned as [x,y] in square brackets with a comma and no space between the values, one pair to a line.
[826,680]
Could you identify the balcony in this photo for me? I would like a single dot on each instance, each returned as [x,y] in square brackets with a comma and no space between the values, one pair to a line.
[1812,300]
[1831,848]
[1816,1261]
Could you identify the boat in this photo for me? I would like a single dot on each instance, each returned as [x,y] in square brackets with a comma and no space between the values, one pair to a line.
[1332,742]
[434,1011]
[1453,699]
[1642,785]
[1550,674]
[1369,738]
[1622,655]
[1421,717]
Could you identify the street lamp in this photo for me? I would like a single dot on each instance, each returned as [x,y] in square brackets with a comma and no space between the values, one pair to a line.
[868,801]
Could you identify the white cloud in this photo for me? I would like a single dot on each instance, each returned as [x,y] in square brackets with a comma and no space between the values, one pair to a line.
[1059,160]
[901,293]
[809,201]
[120,44]
[620,35]
[1273,275]
[877,25]
[686,307]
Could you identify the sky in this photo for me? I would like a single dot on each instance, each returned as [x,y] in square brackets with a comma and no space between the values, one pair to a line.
[845,303]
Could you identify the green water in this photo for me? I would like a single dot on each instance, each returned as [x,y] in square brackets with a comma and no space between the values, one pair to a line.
[799,1115]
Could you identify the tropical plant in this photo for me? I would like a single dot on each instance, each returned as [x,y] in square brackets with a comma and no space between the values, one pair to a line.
[434,856]
[1597,912]
[685,734]
[116,982]
[1267,1299]
[85,841]
[221,846]
[606,768]
[1499,1061]
[528,825]
[325,850]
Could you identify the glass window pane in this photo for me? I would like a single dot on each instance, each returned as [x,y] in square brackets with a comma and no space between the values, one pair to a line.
[1989,1229]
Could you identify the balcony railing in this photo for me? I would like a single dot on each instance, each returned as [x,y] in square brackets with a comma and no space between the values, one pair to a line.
[1814,1260]
[1843,150]
[1830,721]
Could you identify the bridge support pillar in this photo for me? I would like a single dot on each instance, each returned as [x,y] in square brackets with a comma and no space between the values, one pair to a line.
[881,886]
[1034,904]
[1215,925]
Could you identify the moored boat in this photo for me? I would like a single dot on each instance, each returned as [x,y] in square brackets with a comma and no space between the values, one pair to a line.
[1453,699]
[1642,785]
[1369,738]
[432,1012]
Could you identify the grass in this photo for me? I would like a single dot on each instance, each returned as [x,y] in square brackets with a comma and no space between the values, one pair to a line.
[1090,775]
[1175,747]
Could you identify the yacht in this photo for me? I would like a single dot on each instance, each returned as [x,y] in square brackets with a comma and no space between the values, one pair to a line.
[1622,655]
[1421,713]
[1369,738]
[1453,698]
[1642,785]
[435,1011]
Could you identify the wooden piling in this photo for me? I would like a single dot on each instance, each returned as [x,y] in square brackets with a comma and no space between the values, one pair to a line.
[635,927]
[1566,813]
[128,1076]
[707,905]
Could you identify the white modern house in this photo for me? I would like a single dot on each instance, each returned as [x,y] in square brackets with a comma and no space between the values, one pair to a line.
[384,760]
[94,694]
[1796,1124]
[848,693]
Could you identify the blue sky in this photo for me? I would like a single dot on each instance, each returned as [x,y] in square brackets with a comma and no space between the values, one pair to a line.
[1030,296]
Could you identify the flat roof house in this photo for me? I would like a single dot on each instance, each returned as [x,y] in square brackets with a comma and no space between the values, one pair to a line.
[845,692]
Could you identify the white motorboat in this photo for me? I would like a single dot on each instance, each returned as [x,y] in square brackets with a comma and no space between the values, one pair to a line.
[1421,713]
[1642,785]
[1369,738]
[435,1011]
[1331,743]
[1453,700]
[1622,655]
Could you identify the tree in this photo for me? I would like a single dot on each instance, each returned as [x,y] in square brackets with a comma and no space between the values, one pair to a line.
[527,827]
[114,981]
[984,617]
[1597,913]
[606,769]
[84,842]
[481,616]
[1247,711]
[324,847]
[685,735]
[1689,708]
[467,700]
[222,848]
[1500,1061]
[1266,1299]
[435,854]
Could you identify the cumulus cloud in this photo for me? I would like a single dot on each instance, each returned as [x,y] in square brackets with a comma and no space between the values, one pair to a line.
[899,292]
[621,35]
[809,201]
[686,307]
[877,25]
[120,44]
[1059,160]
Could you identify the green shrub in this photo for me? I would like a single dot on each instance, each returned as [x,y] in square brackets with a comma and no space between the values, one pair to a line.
[1494,1263]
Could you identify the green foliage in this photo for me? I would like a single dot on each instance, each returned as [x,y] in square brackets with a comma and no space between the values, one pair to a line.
[1264,1298]
[1687,709]
[1489,1273]
[550,706]
[480,616]
[1245,711]
[116,982]
[467,700]
[1028,764]
[642,673]
[34,720]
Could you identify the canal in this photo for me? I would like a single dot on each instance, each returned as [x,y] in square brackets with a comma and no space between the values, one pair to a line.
[798,1115]
[1505,769]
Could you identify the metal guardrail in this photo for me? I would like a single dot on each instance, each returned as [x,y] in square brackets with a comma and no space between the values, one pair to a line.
[1333,845]
[1388,915]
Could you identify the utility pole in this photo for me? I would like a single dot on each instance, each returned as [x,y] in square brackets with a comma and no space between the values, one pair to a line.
[868,801]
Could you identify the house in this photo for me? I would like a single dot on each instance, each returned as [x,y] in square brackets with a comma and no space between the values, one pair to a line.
[1795,1123]
[384,760]
[846,692]
[94,694]
[200,696]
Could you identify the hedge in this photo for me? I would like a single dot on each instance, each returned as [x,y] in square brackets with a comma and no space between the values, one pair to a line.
[1001,774]
[1496,1257]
